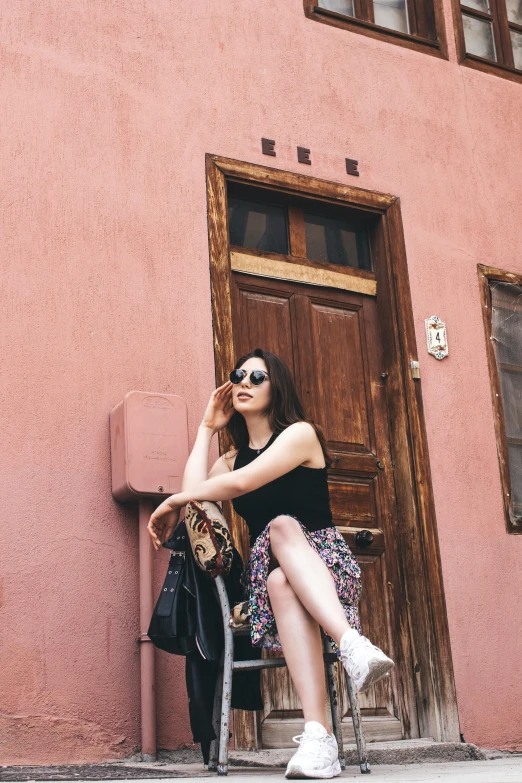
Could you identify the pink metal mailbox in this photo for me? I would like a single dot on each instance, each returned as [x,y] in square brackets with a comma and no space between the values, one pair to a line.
[149,445]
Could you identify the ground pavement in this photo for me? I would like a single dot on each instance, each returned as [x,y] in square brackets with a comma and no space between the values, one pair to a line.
[501,770]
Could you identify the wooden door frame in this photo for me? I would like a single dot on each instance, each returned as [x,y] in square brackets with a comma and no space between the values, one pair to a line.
[428,630]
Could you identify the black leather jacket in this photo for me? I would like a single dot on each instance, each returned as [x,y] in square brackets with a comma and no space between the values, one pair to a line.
[187,621]
[187,617]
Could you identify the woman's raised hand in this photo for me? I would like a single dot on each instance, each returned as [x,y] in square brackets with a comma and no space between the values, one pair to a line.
[219,409]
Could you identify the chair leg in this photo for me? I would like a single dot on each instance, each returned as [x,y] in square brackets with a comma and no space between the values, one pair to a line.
[216,720]
[357,726]
[228,660]
[334,706]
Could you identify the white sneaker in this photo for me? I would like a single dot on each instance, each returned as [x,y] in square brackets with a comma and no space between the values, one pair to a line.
[317,755]
[364,662]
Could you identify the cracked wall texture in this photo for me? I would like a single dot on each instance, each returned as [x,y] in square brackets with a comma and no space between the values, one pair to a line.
[108,110]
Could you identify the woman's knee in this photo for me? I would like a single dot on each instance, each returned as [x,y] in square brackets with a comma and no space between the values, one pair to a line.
[276,581]
[283,527]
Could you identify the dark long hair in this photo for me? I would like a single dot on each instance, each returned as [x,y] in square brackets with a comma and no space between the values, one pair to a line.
[285,406]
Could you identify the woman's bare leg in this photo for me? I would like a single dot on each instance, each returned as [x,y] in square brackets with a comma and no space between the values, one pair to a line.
[308,576]
[302,647]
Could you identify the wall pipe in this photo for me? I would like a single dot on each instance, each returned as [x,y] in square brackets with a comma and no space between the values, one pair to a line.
[147,683]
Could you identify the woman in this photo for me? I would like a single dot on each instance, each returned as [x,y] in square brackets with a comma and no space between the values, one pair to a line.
[301,575]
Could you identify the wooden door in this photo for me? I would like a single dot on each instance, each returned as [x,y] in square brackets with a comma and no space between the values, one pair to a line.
[331,340]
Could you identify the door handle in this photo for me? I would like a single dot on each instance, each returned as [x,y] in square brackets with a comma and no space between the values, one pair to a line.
[363,539]
[380,464]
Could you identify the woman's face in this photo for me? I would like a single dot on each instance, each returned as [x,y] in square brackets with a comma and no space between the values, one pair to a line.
[246,397]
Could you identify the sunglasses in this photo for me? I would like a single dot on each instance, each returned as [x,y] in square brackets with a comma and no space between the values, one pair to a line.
[256,376]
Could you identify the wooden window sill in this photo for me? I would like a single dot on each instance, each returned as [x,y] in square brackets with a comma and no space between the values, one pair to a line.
[496,69]
[435,48]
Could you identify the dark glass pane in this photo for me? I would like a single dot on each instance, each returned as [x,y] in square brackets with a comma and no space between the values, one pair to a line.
[480,5]
[340,6]
[506,317]
[392,14]
[516,43]
[515,472]
[478,36]
[514,11]
[511,387]
[506,335]
[258,226]
[334,241]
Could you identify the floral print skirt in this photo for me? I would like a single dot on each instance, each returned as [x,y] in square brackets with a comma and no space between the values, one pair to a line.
[333,549]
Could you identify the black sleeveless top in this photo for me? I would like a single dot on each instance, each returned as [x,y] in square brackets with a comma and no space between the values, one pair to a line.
[302,493]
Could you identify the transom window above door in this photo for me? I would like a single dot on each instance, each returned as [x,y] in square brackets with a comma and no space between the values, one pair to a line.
[258,226]
[298,230]
[416,24]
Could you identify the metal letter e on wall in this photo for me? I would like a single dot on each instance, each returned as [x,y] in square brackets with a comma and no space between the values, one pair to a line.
[267,147]
[303,155]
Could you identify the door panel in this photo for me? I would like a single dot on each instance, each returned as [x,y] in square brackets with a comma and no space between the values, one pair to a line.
[352,500]
[336,379]
[266,319]
[331,341]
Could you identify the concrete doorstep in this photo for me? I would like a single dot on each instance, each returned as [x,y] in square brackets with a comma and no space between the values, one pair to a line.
[417,751]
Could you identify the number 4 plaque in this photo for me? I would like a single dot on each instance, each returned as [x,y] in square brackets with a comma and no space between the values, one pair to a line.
[436,337]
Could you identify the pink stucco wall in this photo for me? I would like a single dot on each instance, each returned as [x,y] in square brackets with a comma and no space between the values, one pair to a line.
[107,112]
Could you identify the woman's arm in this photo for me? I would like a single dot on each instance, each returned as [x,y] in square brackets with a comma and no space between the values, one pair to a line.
[196,468]
[216,416]
[292,447]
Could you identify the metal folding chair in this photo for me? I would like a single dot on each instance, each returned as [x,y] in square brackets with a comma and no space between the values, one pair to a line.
[218,759]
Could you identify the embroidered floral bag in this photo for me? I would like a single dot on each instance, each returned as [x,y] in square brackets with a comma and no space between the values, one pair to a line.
[209,537]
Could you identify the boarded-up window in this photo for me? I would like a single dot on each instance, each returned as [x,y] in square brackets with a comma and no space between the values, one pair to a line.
[502,300]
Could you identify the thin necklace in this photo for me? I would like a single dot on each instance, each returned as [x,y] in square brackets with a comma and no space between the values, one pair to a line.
[262,447]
